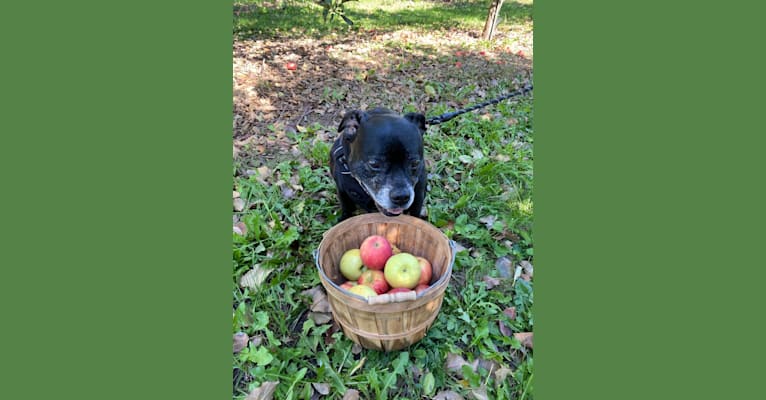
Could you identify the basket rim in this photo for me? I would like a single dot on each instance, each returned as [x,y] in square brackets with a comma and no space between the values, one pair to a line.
[444,276]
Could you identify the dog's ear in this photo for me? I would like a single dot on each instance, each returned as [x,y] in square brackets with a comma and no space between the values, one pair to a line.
[418,119]
[350,123]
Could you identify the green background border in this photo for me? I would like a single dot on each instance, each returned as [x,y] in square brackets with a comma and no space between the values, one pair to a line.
[117,168]
[116,159]
[648,199]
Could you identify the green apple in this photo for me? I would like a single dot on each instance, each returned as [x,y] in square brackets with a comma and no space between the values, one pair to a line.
[402,271]
[351,264]
[363,290]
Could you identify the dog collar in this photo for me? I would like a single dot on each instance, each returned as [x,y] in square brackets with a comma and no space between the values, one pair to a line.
[341,160]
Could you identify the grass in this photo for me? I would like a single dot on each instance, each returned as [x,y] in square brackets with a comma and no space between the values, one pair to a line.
[301,18]
[480,184]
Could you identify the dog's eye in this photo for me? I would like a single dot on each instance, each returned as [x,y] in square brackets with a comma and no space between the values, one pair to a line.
[374,165]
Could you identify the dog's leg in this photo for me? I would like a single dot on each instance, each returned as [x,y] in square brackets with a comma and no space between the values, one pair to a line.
[347,206]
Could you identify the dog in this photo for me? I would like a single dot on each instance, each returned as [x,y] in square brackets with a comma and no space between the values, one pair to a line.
[377,163]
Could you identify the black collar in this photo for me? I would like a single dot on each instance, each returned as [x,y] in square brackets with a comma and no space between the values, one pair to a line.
[340,159]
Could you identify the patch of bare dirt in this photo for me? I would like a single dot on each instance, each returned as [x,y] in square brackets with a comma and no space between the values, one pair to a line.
[364,70]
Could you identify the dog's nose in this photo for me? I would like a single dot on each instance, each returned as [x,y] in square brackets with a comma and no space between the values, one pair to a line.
[400,197]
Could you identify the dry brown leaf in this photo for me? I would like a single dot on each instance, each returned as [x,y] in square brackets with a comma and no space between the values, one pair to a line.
[236,194]
[351,394]
[320,318]
[455,363]
[240,229]
[525,338]
[263,392]
[479,393]
[510,312]
[527,267]
[240,341]
[255,277]
[239,204]
[447,395]
[490,281]
[503,266]
[322,388]
[502,373]
[504,329]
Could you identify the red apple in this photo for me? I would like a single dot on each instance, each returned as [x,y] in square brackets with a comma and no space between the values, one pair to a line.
[363,290]
[425,271]
[421,288]
[375,251]
[347,285]
[291,66]
[402,270]
[351,264]
[374,279]
[398,290]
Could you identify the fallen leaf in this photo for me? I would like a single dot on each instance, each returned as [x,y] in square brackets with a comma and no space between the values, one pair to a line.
[504,329]
[510,312]
[526,277]
[502,373]
[322,388]
[255,277]
[263,392]
[456,362]
[356,348]
[525,338]
[527,267]
[239,204]
[240,341]
[488,365]
[240,229]
[447,395]
[503,266]
[236,194]
[479,393]
[320,318]
[491,282]
[351,394]
[488,221]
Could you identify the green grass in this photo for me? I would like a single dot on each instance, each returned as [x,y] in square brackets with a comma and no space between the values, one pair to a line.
[464,188]
[300,18]
[480,195]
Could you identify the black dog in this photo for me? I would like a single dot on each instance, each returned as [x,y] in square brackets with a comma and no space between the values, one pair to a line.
[377,162]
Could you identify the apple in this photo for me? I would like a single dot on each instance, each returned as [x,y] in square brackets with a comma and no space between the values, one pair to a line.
[398,290]
[374,279]
[425,271]
[421,288]
[351,264]
[402,270]
[363,290]
[375,251]
[348,285]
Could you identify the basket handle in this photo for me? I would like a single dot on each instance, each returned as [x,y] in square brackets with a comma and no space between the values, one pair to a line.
[387,298]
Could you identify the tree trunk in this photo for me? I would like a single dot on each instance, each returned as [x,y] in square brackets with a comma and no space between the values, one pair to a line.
[492,16]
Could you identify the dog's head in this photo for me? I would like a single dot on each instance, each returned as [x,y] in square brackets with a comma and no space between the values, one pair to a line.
[384,152]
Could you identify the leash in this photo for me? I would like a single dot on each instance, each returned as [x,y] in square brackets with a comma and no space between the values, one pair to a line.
[448,116]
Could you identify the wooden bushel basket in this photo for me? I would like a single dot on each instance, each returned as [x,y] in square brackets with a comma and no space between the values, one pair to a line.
[385,322]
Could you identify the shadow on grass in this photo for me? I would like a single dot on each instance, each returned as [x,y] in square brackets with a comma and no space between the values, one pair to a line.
[301,18]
